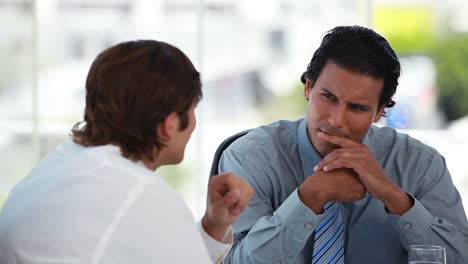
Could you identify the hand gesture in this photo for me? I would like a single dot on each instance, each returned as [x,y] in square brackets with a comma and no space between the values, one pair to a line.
[228,195]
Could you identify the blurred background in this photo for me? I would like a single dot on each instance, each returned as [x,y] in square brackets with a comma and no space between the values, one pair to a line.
[251,55]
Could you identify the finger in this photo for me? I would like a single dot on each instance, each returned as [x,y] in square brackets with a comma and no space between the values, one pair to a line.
[336,154]
[340,141]
[244,201]
[236,211]
[237,208]
[230,200]
[226,178]
[246,194]
[338,163]
[327,159]
[221,184]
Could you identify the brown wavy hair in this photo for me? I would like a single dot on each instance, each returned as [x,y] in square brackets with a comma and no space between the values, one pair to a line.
[132,87]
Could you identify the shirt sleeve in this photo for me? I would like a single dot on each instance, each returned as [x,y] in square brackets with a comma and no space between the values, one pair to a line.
[262,234]
[437,216]
[217,249]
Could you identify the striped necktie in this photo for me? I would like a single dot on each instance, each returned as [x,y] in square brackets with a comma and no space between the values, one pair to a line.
[328,240]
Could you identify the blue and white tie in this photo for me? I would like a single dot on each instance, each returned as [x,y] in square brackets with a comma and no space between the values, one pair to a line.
[328,241]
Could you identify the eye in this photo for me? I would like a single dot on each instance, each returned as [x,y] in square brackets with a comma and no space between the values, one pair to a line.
[328,96]
[358,107]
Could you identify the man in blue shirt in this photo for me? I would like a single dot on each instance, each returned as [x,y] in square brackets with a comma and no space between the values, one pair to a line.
[332,188]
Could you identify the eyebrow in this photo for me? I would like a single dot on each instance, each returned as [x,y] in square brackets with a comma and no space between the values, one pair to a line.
[363,106]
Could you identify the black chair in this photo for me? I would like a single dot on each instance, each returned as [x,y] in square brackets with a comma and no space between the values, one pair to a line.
[219,151]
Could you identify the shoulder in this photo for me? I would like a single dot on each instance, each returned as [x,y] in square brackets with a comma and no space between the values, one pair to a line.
[386,141]
[282,133]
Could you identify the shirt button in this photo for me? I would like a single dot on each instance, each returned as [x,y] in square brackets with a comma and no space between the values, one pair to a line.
[406,226]
[308,225]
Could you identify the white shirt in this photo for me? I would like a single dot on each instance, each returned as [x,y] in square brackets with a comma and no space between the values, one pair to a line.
[91,205]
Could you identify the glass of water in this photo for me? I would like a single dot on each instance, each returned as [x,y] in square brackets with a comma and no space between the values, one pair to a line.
[425,254]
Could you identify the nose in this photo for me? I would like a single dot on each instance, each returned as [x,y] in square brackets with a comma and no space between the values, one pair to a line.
[337,117]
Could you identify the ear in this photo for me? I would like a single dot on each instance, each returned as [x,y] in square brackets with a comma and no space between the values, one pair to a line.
[167,128]
[379,114]
[307,89]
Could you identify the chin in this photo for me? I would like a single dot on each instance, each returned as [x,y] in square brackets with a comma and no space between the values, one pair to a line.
[177,161]
[174,160]
[324,152]
[180,159]
[327,149]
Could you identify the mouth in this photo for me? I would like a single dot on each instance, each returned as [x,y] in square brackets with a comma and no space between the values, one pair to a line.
[332,133]
[328,133]
[331,145]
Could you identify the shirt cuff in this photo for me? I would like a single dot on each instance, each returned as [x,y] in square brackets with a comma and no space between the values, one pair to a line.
[217,249]
[297,216]
[414,224]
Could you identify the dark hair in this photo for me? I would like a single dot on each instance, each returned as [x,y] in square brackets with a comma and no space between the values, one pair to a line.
[131,87]
[361,50]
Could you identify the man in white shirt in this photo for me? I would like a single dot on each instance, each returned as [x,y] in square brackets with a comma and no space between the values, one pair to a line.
[96,198]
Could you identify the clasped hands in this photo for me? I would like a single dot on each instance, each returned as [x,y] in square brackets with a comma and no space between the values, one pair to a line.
[346,174]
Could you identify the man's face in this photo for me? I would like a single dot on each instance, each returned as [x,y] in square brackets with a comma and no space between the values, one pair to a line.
[182,137]
[341,103]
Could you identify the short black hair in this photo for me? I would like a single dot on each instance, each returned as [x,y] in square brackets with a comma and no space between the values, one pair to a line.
[361,50]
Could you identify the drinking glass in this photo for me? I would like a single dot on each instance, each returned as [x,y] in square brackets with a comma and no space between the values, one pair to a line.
[426,254]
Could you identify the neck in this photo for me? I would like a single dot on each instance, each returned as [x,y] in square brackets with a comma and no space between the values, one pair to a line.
[152,164]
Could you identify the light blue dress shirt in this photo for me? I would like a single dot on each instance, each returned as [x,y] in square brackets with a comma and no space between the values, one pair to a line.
[277,227]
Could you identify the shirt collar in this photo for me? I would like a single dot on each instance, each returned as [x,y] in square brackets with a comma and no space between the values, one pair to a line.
[366,141]
[309,156]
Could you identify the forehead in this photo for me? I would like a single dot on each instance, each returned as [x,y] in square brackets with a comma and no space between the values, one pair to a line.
[349,86]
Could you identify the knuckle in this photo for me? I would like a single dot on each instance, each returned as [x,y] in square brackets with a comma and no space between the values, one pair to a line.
[218,178]
[361,188]
[221,175]
[213,181]
[358,195]
[243,183]
[361,196]
[232,178]
[247,189]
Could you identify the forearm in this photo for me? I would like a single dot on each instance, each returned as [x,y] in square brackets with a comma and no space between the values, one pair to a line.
[276,237]
[419,227]
[265,245]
